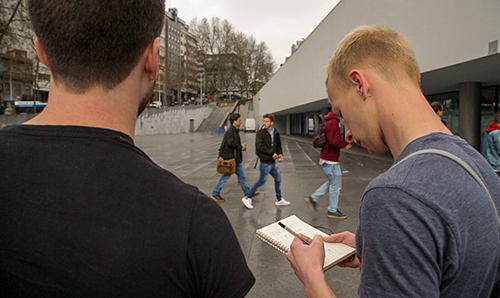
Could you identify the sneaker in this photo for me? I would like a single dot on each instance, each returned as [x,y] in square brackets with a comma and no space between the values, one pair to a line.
[255,195]
[337,214]
[247,202]
[282,202]
[218,198]
[311,204]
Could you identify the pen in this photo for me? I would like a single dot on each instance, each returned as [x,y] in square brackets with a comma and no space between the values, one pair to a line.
[293,233]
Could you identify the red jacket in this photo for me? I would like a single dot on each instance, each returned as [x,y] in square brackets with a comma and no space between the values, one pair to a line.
[331,151]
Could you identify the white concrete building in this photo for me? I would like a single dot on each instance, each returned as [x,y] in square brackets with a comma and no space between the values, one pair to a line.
[456,44]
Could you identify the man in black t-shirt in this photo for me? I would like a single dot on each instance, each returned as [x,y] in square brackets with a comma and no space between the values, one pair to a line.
[95,217]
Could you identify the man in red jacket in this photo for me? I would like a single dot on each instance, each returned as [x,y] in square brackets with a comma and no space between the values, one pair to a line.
[329,159]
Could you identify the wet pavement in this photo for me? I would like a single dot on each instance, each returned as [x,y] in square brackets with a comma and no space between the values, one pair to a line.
[192,157]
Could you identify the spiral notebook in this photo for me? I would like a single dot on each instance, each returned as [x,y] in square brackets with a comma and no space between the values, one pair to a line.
[281,239]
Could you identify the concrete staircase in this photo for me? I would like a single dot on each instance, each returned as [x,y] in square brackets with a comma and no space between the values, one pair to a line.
[215,119]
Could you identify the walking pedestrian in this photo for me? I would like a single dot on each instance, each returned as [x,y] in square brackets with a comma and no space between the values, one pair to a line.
[329,160]
[269,151]
[230,148]
[491,144]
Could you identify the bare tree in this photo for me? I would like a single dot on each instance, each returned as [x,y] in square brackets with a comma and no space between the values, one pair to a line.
[244,47]
[262,67]
[17,34]
[9,11]
[256,64]
[231,60]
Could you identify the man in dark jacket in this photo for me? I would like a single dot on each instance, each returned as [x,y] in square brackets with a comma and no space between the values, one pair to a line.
[268,147]
[231,148]
[329,159]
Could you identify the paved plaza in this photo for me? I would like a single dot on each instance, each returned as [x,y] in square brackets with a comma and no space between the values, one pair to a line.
[192,157]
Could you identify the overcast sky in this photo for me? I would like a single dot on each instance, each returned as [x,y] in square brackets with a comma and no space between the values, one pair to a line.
[278,23]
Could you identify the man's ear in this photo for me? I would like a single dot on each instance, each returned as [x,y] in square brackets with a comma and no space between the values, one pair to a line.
[360,82]
[41,53]
[152,58]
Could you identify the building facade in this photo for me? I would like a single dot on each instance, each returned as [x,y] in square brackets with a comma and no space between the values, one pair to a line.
[191,87]
[159,88]
[455,42]
[16,79]
[174,75]
[22,75]
[179,69]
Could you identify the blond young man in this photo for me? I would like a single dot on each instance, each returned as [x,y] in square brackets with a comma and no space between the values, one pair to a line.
[416,236]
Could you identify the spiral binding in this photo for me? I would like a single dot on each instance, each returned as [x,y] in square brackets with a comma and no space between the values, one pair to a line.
[279,246]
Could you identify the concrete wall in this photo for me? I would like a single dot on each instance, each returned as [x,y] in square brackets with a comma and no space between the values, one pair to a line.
[171,120]
[151,121]
[14,119]
[442,33]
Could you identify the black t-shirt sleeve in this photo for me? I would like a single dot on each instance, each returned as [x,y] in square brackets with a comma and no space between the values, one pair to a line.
[217,262]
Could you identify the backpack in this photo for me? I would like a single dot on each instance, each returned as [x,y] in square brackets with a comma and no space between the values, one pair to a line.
[320,140]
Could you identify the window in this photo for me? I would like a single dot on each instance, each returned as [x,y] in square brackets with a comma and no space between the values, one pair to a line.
[17,90]
[489,104]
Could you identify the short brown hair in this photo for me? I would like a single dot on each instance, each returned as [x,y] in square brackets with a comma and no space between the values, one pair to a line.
[497,117]
[93,42]
[383,49]
[234,117]
[437,106]
[270,116]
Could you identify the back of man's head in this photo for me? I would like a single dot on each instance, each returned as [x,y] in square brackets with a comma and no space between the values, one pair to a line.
[385,50]
[497,117]
[94,42]
[234,117]
[437,106]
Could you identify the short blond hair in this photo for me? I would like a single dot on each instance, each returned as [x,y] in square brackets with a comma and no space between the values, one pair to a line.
[370,46]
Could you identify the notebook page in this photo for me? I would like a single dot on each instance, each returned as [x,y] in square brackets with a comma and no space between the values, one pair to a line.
[275,234]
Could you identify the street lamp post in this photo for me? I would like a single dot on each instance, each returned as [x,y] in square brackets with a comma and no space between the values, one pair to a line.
[202,80]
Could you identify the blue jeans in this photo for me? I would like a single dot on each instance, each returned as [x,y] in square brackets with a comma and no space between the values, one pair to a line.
[332,186]
[266,169]
[241,178]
